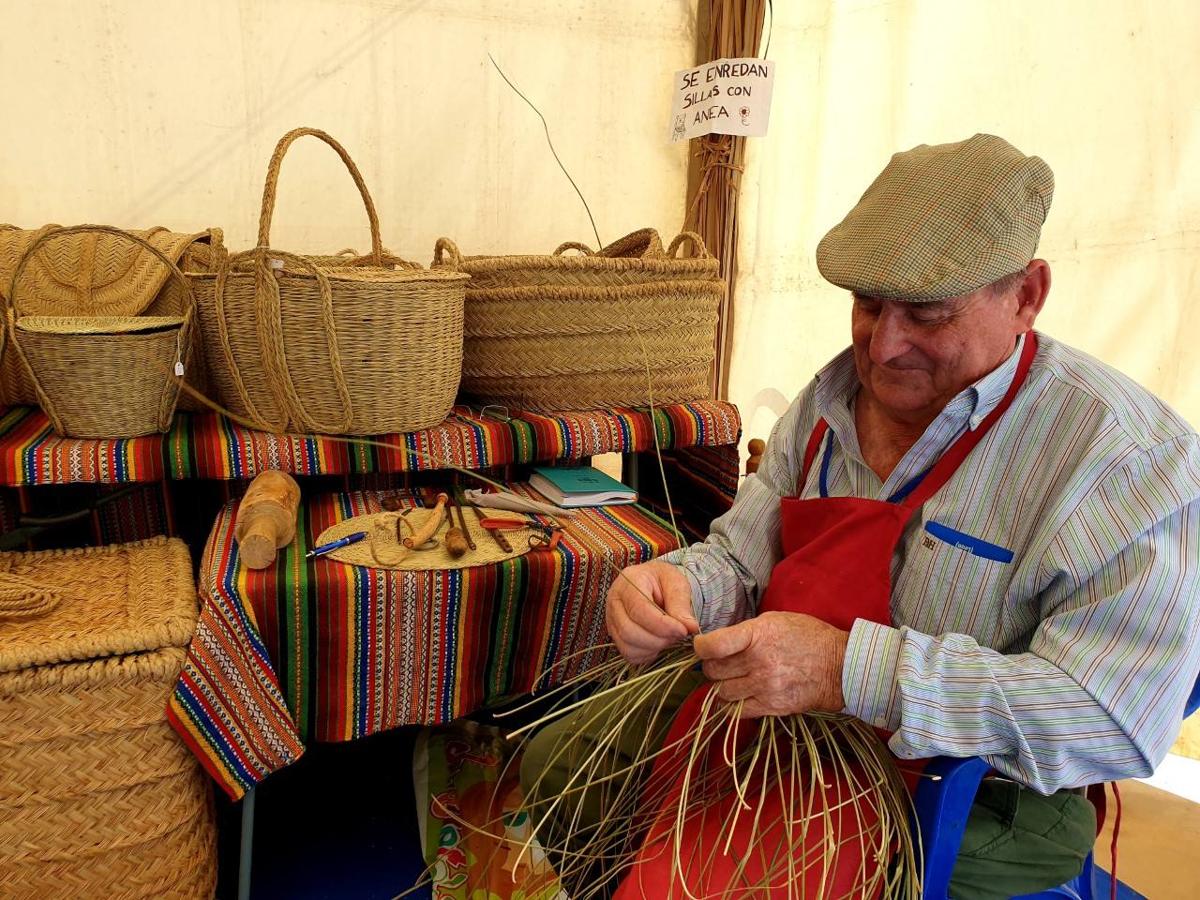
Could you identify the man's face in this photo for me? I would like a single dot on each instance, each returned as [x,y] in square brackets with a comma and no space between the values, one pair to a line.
[913,358]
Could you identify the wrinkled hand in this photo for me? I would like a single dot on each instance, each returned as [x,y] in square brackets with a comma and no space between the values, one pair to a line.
[649,608]
[779,663]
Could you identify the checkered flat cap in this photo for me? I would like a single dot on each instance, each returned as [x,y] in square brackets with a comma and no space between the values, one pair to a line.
[941,221]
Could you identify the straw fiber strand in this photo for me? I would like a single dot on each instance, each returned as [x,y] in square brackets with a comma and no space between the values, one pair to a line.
[109,382]
[337,344]
[576,332]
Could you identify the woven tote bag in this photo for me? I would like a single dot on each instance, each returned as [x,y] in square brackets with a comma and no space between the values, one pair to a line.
[96,274]
[337,344]
[613,328]
[101,376]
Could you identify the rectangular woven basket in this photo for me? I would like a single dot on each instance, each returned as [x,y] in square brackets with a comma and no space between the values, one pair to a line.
[615,328]
[98,795]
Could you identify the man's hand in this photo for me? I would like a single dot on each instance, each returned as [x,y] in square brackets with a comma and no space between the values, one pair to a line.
[779,663]
[649,608]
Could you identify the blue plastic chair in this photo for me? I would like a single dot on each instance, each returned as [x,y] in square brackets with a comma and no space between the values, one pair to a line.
[942,807]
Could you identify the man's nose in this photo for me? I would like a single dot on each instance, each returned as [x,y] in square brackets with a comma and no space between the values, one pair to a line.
[890,337]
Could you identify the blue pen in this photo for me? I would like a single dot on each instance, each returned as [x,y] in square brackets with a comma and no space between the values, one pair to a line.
[336,545]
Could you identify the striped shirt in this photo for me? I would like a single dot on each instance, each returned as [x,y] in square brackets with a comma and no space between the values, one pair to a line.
[1046,601]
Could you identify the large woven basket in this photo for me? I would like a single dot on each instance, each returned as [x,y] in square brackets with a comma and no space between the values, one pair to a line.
[621,327]
[98,795]
[332,344]
[95,274]
[101,376]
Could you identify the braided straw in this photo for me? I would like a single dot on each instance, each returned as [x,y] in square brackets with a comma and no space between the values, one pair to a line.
[21,598]
[100,380]
[337,344]
[577,332]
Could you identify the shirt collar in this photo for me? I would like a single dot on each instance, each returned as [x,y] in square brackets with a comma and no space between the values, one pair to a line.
[838,383]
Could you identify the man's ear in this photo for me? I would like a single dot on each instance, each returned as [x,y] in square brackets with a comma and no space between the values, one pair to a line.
[1031,293]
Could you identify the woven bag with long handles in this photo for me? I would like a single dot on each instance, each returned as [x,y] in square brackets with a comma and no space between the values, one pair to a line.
[331,409]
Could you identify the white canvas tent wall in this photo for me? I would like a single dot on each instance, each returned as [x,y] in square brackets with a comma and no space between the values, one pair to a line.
[148,112]
[1105,92]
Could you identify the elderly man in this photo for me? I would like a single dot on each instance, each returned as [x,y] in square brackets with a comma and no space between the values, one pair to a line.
[962,531]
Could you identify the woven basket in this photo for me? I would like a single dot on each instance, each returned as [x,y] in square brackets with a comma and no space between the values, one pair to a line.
[95,274]
[98,795]
[599,330]
[332,344]
[101,376]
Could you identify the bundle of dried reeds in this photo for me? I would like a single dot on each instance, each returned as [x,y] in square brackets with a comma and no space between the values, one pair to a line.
[798,806]
[729,28]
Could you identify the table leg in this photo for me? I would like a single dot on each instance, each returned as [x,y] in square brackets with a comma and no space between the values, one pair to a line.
[630,470]
[247,845]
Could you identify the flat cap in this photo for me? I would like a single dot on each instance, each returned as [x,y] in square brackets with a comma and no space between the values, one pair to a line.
[941,221]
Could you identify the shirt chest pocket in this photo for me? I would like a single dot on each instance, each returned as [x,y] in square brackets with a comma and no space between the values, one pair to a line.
[953,582]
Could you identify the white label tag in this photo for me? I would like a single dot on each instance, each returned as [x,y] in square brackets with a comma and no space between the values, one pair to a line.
[178,369]
[725,96]
[277,264]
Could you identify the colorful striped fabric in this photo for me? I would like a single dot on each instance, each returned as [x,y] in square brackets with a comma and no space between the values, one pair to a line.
[317,650]
[203,445]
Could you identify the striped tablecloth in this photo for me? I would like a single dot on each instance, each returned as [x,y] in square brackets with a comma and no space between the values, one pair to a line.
[203,445]
[318,650]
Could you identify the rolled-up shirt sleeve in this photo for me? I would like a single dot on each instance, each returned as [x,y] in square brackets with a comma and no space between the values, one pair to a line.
[732,566]
[1099,693]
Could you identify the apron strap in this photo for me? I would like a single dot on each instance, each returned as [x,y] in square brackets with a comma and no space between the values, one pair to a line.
[953,458]
[928,483]
[810,453]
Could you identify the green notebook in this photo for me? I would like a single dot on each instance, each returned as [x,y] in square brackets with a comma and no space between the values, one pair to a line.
[581,486]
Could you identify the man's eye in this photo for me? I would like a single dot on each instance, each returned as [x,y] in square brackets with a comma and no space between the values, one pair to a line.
[928,317]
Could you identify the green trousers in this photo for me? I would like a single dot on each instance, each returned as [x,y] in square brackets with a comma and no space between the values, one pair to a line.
[1016,840]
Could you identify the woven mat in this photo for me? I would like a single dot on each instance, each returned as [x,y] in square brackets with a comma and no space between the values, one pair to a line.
[381,534]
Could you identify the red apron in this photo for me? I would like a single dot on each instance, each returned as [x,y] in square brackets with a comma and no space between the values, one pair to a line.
[837,556]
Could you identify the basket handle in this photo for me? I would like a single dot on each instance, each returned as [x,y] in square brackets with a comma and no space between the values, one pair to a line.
[574,245]
[272,184]
[182,339]
[269,313]
[641,244]
[700,251]
[447,247]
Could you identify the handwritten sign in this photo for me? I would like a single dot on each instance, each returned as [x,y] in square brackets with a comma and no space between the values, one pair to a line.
[725,96]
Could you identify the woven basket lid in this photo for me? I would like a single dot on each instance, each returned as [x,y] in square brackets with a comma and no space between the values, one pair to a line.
[97,324]
[88,274]
[125,598]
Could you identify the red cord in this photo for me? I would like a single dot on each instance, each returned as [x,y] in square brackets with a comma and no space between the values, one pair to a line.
[1116,832]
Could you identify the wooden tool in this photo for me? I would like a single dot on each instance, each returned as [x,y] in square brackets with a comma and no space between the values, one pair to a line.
[456,542]
[496,535]
[430,526]
[266,518]
[462,524]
